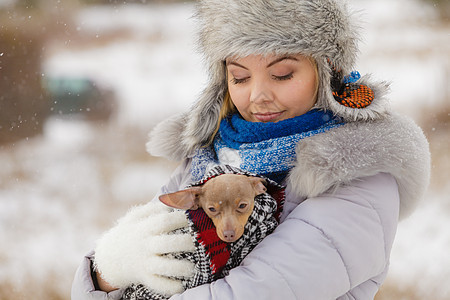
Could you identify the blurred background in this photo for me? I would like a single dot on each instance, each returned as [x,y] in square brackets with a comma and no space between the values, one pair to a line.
[83,82]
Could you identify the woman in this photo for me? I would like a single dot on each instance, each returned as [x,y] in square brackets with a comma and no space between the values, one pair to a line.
[282,102]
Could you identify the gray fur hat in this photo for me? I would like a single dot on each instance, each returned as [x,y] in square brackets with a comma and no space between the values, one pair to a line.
[321,29]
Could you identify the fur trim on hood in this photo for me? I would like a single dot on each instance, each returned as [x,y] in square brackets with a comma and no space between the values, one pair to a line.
[395,145]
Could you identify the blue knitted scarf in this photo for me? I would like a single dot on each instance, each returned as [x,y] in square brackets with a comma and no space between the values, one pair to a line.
[267,149]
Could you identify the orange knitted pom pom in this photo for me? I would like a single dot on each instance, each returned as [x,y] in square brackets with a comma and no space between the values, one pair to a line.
[355,96]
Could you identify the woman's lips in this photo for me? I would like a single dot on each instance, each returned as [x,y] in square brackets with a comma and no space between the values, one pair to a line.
[267,117]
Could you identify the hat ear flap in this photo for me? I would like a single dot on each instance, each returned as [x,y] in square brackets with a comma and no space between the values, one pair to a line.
[204,117]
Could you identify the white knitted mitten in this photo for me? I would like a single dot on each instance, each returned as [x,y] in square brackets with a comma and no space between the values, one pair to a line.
[134,251]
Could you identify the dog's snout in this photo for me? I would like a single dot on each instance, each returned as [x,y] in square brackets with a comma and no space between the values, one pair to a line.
[229,235]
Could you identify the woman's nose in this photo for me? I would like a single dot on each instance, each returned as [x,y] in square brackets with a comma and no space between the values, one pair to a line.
[260,93]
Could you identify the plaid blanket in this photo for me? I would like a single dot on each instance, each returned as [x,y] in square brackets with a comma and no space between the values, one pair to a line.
[213,258]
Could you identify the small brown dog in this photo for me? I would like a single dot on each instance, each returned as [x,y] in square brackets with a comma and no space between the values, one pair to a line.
[227,199]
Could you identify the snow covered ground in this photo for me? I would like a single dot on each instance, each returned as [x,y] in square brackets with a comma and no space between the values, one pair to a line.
[61,190]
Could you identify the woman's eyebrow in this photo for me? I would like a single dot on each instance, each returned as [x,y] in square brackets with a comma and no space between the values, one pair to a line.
[236,64]
[281,59]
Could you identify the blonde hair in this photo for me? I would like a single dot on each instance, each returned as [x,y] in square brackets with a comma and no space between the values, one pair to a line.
[228,107]
[316,71]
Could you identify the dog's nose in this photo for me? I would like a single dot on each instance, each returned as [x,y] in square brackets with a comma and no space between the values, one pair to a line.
[229,235]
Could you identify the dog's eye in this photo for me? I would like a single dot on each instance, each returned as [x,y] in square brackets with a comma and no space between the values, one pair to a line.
[242,205]
[212,209]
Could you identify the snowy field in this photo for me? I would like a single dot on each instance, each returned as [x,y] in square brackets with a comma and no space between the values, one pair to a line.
[61,190]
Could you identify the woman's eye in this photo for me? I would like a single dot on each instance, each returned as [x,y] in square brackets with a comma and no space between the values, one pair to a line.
[212,209]
[283,77]
[239,80]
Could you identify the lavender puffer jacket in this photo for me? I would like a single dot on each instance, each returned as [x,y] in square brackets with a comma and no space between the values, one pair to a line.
[333,246]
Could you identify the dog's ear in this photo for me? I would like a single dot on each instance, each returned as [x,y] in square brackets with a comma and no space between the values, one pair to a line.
[185,199]
[258,185]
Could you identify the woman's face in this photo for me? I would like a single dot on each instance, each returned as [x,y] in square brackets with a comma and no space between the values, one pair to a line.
[272,88]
